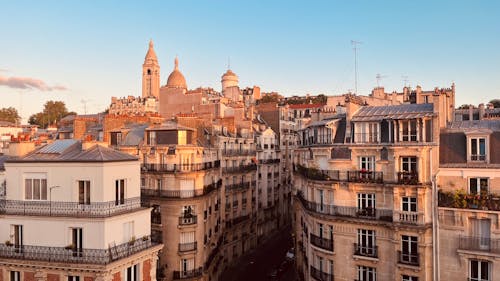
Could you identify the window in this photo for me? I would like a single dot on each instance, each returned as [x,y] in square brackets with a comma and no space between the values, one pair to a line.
[366,273]
[128,231]
[366,204]
[409,130]
[366,242]
[478,185]
[186,266]
[481,231]
[409,164]
[368,133]
[479,270]
[409,249]
[478,149]
[17,234]
[409,204]
[15,276]
[119,192]
[367,163]
[73,278]
[84,192]
[35,189]
[409,278]
[77,241]
[132,273]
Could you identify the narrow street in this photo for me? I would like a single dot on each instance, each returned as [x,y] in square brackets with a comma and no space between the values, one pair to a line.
[257,264]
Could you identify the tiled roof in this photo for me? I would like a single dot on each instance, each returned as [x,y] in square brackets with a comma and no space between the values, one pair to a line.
[493,125]
[305,105]
[396,112]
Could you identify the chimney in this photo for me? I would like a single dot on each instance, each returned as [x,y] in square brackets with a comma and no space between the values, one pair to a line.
[481,111]
[471,112]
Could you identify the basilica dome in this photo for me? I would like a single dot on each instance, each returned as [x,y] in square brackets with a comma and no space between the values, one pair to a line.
[176,79]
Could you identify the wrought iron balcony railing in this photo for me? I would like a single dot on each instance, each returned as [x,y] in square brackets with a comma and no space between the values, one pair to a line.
[323,243]
[482,244]
[151,192]
[186,247]
[316,174]
[188,219]
[320,275]
[365,176]
[409,178]
[180,168]
[74,255]
[70,209]
[240,169]
[366,251]
[185,274]
[238,186]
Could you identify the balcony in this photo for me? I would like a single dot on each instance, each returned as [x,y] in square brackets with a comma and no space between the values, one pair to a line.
[156,218]
[412,259]
[347,211]
[481,244]
[323,243]
[238,152]
[180,168]
[366,138]
[150,192]
[409,217]
[240,169]
[315,174]
[269,161]
[238,186]
[365,176]
[320,275]
[72,255]
[408,178]
[186,247]
[188,219]
[69,209]
[185,274]
[365,251]
[461,200]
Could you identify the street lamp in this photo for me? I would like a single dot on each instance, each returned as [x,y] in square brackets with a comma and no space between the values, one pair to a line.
[50,198]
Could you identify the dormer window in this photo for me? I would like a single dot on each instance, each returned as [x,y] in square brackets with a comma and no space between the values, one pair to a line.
[409,130]
[367,133]
[478,149]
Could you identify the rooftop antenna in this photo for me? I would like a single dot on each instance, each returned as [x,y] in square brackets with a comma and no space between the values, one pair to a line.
[405,79]
[355,48]
[84,102]
[228,62]
[379,77]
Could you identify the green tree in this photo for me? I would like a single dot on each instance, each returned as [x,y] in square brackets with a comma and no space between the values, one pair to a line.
[9,114]
[496,103]
[53,111]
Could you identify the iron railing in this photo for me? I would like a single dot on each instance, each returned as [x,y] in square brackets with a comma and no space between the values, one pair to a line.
[475,243]
[238,152]
[320,275]
[366,251]
[315,174]
[151,192]
[185,247]
[269,161]
[347,211]
[188,219]
[365,176]
[185,274]
[75,255]
[180,168]
[410,178]
[238,186]
[323,243]
[71,209]
[240,169]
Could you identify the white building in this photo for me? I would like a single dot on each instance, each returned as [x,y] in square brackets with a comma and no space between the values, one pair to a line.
[73,212]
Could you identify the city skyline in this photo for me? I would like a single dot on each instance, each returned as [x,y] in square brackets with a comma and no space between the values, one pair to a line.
[84,53]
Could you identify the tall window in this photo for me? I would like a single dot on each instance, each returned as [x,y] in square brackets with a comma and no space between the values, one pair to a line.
[35,189]
[73,278]
[128,231]
[367,163]
[187,265]
[17,234]
[120,192]
[409,249]
[366,273]
[478,149]
[409,130]
[15,276]
[84,192]
[478,185]
[366,242]
[77,241]
[409,164]
[366,203]
[481,231]
[479,270]
[368,133]
[409,204]
[132,273]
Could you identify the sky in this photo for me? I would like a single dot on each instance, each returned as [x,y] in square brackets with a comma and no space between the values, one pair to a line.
[85,52]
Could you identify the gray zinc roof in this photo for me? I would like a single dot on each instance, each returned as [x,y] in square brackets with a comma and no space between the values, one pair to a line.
[395,112]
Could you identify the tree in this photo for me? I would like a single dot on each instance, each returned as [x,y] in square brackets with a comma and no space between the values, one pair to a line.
[9,114]
[53,111]
[496,103]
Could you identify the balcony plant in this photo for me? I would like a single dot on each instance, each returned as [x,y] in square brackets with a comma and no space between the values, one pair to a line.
[459,199]
[132,241]
[8,243]
[70,247]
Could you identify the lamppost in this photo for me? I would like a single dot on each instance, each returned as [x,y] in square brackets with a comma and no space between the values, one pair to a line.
[50,198]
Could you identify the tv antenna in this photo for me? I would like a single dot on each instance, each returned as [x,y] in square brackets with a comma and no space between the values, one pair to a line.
[355,48]
[84,102]
[379,77]
[405,79]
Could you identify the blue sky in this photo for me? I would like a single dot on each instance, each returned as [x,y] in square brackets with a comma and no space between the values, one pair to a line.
[95,49]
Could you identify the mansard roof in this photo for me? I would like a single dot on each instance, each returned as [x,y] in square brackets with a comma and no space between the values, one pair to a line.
[394,112]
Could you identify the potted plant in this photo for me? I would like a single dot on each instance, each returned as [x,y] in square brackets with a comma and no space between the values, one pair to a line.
[69,247]
[132,241]
[8,243]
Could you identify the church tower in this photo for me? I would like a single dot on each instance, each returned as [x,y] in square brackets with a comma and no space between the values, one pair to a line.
[151,74]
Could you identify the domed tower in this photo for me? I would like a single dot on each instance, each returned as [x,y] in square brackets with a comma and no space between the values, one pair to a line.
[229,79]
[176,79]
[150,74]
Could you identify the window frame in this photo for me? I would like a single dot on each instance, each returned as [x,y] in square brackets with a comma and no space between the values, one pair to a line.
[367,273]
[120,186]
[85,199]
[479,270]
[407,203]
[42,187]
[479,187]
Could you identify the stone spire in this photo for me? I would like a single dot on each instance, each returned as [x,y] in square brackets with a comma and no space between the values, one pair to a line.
[151,74]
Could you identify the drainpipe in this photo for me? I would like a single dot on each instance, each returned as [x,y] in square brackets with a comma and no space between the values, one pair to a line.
[435,221]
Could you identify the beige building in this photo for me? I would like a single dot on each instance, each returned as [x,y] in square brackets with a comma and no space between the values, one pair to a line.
[72,211]
[363,191]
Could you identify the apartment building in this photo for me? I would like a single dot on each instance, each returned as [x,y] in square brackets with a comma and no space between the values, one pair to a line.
[363,191]
[469,205]
[72,211]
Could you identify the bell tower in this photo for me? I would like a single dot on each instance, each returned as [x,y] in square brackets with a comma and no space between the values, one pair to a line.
[151,74]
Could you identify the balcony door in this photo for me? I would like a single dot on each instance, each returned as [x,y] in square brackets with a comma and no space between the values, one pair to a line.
[77,241]
[481,229]
[18,237]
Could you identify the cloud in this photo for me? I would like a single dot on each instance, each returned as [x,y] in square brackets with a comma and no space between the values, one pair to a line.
[28,83]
